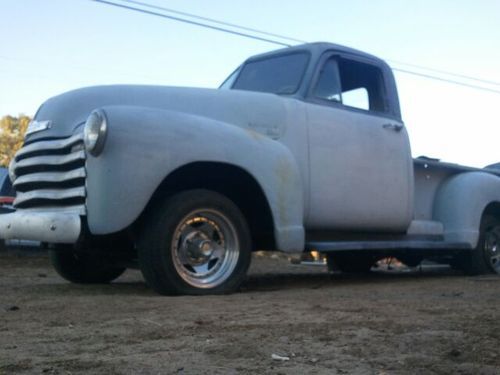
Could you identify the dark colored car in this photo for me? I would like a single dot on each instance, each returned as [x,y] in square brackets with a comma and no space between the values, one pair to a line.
[7,193]
[6,196]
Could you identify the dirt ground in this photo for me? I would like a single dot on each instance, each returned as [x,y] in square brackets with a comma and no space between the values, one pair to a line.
[429,321]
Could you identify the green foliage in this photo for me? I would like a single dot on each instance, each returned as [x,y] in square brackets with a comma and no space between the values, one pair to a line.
[12,131]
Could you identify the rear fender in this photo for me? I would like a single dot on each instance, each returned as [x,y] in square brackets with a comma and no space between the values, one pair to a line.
[461,201]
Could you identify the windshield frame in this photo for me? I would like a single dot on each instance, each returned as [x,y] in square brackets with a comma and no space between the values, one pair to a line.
[228,83]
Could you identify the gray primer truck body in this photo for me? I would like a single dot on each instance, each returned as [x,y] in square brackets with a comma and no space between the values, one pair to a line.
[334,177]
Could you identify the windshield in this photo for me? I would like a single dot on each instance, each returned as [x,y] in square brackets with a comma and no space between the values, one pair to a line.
[278,75]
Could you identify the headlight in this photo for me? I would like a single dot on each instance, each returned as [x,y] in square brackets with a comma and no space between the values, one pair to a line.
[94,132]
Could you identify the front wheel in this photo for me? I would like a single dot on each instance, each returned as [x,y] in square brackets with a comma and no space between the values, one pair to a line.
[83,268]
[196,242]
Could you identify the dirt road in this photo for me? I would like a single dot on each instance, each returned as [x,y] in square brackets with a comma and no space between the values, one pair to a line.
[429,322]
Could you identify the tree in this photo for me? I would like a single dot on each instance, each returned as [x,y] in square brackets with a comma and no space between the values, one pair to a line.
[12,131]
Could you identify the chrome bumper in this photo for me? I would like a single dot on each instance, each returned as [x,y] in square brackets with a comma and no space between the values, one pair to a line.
[52,227]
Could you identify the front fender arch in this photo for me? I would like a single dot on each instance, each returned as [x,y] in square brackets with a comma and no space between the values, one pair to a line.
[229,180]
[145,145]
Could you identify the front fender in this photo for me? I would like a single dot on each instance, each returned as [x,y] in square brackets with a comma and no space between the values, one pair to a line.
[145,145]
[461,201]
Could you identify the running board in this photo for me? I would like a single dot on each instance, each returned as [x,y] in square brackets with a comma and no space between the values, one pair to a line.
[332,246]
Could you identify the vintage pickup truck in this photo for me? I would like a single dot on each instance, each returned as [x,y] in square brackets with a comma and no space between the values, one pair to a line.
[300,149]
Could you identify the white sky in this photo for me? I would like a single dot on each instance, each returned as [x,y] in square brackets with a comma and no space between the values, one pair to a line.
[53,46]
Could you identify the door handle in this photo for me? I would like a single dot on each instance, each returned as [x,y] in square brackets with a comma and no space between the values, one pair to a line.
[394,127]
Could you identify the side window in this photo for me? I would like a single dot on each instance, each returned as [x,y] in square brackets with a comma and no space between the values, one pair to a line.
[357,98]
[354,84]
[362,84]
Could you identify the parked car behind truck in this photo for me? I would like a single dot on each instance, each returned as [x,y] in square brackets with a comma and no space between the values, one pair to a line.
[7,193]
[302,148]
[6,197]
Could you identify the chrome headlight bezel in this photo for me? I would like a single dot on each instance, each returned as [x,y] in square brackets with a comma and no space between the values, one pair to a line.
[95,131]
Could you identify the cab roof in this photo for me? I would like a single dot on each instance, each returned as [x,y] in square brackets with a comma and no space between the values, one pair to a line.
[317,49]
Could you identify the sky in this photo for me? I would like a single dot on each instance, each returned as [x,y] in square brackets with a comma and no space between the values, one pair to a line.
[52,46]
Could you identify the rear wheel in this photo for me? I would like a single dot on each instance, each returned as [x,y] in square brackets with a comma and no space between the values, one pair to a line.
[485,258]
[196,242]
[83,268]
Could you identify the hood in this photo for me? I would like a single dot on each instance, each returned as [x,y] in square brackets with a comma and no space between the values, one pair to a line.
[264,113]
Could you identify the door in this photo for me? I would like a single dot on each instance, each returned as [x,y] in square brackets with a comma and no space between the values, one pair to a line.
[361,170]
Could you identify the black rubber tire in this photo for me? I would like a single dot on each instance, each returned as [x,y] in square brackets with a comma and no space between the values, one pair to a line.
[155,248]
[349,263]
[83,268]
[476,262]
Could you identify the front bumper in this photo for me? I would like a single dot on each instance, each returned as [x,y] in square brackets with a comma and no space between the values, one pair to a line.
[51,227]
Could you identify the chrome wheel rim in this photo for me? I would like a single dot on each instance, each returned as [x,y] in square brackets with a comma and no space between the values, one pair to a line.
[492,249]
[205,248]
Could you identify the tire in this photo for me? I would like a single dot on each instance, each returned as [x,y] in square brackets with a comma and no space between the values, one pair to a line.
[349,263]
[197,242]
[83,268]
[485,258]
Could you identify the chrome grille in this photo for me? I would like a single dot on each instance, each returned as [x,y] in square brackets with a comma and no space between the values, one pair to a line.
[50,175]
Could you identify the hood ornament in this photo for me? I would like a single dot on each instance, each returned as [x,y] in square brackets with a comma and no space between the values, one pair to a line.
[37,126]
